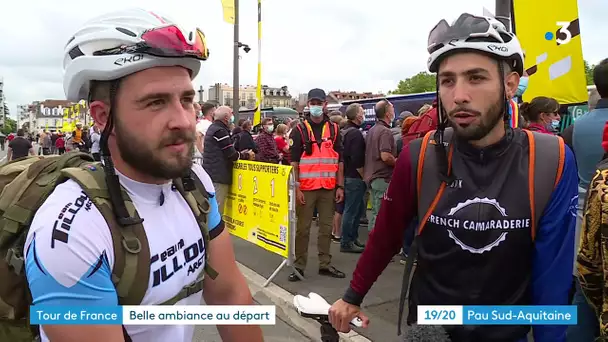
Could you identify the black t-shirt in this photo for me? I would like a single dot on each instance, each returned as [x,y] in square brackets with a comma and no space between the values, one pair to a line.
[354,150]
[20,146]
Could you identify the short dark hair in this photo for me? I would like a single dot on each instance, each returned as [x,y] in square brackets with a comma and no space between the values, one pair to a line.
[206,107]
[241,122]
[20,132]
[600,78]
[265,121]
[352,110]
[381,109]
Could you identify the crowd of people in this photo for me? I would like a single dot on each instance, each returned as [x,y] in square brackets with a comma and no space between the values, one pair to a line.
[53,142]
[490,213]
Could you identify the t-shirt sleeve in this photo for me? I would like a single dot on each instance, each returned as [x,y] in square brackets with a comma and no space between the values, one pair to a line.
[295,145]
[215,221]
[69,252]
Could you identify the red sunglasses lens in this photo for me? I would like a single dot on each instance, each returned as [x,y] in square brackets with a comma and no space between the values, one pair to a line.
[172,42]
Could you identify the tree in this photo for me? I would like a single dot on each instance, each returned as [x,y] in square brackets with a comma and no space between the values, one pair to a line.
[589,73]
[419,83]
[10,126]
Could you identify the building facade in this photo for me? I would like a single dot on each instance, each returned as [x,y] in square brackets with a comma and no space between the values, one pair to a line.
[276,97]
[222,94]
[51,114]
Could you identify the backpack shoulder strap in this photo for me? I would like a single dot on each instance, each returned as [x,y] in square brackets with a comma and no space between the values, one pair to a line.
[131,270]
[303,132]
[424,162]
[333,131]
[198,201]
[544,171]
[429,187]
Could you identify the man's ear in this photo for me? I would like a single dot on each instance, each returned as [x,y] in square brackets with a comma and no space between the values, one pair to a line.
[100,112]
[511,84]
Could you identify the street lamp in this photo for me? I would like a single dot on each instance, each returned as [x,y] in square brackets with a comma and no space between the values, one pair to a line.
[235,85]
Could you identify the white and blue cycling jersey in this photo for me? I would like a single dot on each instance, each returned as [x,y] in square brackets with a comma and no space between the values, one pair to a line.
[70,254]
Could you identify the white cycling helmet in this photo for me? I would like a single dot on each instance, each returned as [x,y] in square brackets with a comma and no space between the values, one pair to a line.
[474,33]
[121,43]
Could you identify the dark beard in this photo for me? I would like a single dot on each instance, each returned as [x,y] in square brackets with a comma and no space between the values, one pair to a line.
[143,158]
[487,123]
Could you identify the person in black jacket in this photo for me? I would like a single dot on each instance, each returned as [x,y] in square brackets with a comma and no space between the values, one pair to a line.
[243,139]
[219,154]
[354,186]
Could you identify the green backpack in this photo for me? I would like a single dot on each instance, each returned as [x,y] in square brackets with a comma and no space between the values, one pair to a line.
[26,183]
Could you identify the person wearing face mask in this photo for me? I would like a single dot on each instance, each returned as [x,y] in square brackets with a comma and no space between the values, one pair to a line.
[316,157]
[219,154]
[542,114]
[354,186]
[267,147]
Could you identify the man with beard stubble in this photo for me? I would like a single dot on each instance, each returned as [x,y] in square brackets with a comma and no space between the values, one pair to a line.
[147,107]
[485,237]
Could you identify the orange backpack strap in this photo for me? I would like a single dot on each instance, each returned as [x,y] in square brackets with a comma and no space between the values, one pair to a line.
[547,154]
[429,187]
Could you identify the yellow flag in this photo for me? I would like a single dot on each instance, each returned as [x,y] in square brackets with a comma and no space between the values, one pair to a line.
[257,117]
[549,33]
[228,7]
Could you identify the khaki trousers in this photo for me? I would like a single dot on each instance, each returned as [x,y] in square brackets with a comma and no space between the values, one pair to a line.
[221,192]
[324,201]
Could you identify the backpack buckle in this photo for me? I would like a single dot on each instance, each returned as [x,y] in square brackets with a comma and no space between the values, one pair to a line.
[194,287]
[14,261]
[132,246]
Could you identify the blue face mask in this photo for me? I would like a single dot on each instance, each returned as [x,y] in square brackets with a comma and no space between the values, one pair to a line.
[523,85]
[555,124]
[316,111]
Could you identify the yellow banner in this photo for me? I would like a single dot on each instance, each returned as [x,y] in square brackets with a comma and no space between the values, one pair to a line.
[228,7]
[549,32]
[257,207]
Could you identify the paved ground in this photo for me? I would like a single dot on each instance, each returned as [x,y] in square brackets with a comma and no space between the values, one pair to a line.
[380,304]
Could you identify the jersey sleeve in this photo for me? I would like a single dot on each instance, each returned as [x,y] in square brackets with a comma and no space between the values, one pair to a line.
[554,249]
[216,224]
[69,251]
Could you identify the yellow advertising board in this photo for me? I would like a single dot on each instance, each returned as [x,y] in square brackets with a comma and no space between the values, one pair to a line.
[549,32]
[257,206]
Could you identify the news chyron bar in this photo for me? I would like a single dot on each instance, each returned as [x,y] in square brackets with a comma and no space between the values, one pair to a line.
[155,315]
[497,315]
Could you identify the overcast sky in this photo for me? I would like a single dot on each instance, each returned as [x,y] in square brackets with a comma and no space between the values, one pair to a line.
[332,44]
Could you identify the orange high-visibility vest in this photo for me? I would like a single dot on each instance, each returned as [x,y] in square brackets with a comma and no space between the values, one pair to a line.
[318,170]
[78,136]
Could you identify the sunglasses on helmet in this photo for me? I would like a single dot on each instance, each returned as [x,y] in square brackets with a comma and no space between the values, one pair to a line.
[167,41]
[466,26]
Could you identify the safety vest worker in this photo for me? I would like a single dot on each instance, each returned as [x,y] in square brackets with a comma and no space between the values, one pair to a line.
[318,169]
[77,138]
[316,148]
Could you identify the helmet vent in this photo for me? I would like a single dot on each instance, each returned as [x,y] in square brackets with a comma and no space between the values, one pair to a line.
[75,52]
[125,31]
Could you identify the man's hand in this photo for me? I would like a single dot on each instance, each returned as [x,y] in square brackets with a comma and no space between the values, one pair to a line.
[339,195]
[300,197]
[341,313]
